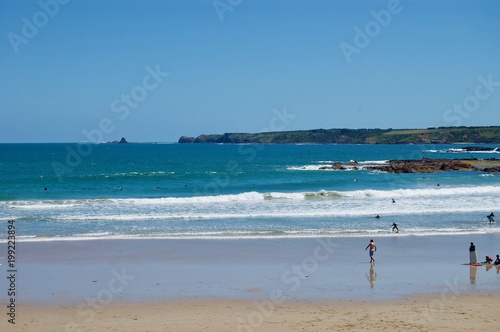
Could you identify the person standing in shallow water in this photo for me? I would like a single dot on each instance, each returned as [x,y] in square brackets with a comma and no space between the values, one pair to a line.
[373,248]
[472,254]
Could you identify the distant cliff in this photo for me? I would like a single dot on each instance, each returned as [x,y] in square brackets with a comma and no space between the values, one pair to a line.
[359,136]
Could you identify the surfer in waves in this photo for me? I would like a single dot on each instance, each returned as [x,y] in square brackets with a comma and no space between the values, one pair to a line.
[395,227]
[491,217]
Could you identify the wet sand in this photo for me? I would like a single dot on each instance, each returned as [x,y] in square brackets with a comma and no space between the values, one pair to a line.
[254,284]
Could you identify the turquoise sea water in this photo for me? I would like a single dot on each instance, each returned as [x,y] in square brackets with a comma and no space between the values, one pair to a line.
[234,191]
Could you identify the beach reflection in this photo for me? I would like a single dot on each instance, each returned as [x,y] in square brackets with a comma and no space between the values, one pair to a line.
[372,275]
[473,274]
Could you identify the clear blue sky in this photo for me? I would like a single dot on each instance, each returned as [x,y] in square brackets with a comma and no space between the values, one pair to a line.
[234,70]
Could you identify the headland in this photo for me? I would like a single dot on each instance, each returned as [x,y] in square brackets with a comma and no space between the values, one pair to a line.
[430,135]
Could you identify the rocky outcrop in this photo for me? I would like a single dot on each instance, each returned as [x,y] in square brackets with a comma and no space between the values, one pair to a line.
[424,165]
[492,169]
[122,141]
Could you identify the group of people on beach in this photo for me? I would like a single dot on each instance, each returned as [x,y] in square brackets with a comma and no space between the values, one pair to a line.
[473,257]
[472,254]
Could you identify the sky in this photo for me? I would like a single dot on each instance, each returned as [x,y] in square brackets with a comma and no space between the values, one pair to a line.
[152,71]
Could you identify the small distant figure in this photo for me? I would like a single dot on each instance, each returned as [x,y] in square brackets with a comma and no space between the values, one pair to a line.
[393,200]
[497,261]
[377,216]
[373,248]
[157,188]
[438,185]
[395,227]
[488,260]
[355,180]
[472,254]
[45,189]
[491,217]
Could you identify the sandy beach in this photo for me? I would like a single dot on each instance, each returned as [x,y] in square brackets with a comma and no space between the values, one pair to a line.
[417,313]
[308,284]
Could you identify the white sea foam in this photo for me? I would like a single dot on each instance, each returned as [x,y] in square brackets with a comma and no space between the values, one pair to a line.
[353,165]
[462,150]
[305,168]
[452,210]
[234,235]
[253,196]
[374,162]
[436,192]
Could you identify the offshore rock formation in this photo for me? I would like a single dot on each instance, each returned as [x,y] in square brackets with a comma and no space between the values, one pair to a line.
[122,141]
[424,165]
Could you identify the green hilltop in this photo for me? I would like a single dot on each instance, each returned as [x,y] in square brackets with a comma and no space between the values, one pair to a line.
[440,135]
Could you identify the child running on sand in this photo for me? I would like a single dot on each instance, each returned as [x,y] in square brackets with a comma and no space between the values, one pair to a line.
[373,248]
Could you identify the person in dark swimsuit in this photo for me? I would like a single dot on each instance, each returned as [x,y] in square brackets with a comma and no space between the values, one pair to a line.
[472,254]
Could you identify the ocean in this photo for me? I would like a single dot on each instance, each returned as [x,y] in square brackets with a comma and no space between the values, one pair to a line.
[68,192]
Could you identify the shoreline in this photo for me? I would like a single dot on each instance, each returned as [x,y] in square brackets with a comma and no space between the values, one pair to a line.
[388,234]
